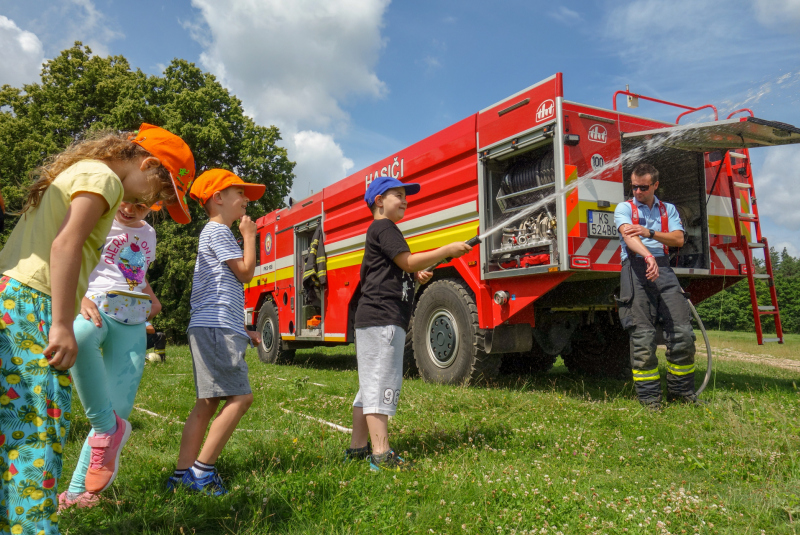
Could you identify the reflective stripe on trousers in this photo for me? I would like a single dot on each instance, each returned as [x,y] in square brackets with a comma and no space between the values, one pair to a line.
[644,303]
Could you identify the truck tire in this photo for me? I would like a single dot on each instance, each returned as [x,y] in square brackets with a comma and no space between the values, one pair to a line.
[271,350]
[448,341]
[600,350]
[409,364]
[534,362]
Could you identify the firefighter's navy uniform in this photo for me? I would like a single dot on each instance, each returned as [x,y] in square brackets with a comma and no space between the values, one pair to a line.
[644,303]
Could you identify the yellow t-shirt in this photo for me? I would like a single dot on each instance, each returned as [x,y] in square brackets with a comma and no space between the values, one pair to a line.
[26,255]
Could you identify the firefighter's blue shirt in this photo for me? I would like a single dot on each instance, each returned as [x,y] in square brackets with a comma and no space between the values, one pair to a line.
[648,217]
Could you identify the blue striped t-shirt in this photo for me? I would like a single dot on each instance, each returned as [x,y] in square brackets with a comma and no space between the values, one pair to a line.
[217,295]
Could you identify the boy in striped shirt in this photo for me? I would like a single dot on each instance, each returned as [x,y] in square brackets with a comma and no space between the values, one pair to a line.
[217,334]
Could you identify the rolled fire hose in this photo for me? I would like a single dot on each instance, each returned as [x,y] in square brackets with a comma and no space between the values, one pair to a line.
[708,348]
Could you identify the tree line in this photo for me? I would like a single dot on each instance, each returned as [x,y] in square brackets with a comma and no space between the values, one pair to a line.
[730,309]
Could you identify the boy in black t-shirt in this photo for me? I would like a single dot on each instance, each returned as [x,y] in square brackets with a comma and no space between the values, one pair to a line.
[388,274]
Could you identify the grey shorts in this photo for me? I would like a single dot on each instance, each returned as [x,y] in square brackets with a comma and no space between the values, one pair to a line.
[218,362]
[380,368]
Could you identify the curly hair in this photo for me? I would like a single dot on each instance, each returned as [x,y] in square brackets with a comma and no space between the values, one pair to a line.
[100,145]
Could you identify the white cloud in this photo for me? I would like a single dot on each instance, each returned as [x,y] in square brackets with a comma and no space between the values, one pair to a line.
[57,27]
[22,56]
[670,30]
[294,64]
[776,186]
[319,159]
[84,21]
[693,51]
[63,23]
[566,15]
[431,63]
[780,14]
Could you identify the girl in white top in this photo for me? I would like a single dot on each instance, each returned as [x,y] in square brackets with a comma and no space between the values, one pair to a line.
[111,334]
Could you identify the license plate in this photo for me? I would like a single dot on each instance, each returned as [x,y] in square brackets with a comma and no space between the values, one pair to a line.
[601,224]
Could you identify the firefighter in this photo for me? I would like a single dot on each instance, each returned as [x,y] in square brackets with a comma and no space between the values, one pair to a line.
[650,292]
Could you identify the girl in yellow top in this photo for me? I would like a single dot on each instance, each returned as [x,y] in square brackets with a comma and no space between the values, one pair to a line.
[45,266]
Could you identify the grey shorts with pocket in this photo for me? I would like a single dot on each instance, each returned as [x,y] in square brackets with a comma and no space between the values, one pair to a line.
[380,368]
[218,362]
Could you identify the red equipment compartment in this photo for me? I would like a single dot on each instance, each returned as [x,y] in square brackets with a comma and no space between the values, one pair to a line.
[527,109]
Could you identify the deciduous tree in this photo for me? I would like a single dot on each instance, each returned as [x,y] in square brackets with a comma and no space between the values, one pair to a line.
[80,91]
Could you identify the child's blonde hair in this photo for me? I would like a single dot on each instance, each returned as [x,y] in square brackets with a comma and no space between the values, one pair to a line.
[100,145]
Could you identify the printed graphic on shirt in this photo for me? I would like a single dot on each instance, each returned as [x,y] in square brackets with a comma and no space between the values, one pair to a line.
[131,255]
[408,287]
[132,263]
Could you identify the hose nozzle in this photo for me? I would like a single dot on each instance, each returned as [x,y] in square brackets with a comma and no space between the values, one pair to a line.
[472,242]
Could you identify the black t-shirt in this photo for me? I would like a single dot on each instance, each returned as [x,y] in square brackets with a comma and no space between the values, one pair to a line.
[387,292]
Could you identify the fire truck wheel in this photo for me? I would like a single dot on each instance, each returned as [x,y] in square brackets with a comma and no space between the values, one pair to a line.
[535,361]
[272,349]
[409,364]
[447,336]
[599,350]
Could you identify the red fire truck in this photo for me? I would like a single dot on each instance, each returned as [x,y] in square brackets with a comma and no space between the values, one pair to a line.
[543,285]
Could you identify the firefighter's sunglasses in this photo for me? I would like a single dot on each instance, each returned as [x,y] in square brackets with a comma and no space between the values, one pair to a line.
[645,187]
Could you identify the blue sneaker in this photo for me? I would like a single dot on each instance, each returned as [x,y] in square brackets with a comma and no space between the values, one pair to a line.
[174,482]
[389,461]
[210,484]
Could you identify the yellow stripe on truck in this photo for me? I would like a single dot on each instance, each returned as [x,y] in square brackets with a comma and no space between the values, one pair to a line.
[345,260]
[434,240]
[269,278]
[423,242]
[725,226]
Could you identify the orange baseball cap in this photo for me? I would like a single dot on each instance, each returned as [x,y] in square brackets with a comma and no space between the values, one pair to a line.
[214,180]
[177,157]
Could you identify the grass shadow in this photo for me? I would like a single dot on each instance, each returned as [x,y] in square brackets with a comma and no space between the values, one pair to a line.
[342,359]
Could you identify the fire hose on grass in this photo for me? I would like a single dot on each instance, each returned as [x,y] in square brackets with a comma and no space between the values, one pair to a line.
[472,242]
[708,348]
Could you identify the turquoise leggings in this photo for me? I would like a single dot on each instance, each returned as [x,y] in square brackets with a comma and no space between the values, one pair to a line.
[107,374]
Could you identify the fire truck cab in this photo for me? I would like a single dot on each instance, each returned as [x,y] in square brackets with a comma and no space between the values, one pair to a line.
[543,285]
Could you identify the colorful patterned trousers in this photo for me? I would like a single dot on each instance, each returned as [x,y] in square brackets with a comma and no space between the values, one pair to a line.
[35,405]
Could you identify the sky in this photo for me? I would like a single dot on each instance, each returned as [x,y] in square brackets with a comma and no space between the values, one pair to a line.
[349,82]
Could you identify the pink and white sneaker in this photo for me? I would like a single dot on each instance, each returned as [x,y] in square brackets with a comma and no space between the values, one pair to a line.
[104,463]
[84,500]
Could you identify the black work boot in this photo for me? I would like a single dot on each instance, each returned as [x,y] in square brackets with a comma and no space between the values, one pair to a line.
[690,399]
[654,404]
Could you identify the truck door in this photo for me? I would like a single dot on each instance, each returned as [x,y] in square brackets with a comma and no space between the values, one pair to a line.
[690,160]
[310,302]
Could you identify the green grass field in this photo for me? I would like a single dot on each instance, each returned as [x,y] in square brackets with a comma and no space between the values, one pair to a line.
[548,454]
